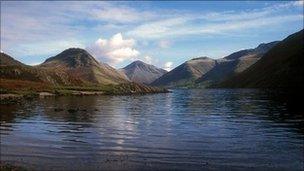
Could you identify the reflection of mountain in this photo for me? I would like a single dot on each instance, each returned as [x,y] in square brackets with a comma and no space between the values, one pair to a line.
[8,113]
[71,109]
[126,128]
[284,108]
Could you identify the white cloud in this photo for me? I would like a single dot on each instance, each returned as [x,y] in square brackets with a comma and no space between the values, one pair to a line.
[148,59]
[26,29]
[168,66]
[115,50]
[157,29]
[24,23]
[299,3]
[121,14]
[216,22]
[164,44]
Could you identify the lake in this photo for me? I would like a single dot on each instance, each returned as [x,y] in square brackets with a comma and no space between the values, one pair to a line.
[239,129]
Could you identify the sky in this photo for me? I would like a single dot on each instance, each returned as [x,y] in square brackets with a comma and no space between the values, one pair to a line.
[162,33]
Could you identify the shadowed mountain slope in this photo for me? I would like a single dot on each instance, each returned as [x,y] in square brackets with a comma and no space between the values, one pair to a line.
[186,73]
[280,67]
[234,63]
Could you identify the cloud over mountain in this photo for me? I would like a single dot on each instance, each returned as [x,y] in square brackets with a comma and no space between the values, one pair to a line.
[114,50]
[168,66]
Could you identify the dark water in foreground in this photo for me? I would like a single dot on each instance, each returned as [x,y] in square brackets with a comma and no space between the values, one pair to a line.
[182,130]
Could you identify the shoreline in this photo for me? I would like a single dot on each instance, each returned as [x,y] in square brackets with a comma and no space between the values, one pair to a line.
[10,95]
[13,98]
[10,166]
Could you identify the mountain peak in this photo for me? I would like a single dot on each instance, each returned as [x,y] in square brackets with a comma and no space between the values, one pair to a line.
[80,64]
[200,58]
[141,72]
[139,62]
[73,49]
[259,50]
[264,47]
[73,57]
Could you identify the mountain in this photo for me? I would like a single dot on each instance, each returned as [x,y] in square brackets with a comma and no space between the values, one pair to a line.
[186,73]
[11,69]
[6,60]
[234,63]
[74,71]
[280,67]
[261,49]
[141,72]
[80,64]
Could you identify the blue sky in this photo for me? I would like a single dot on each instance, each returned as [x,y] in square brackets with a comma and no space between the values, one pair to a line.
[162,33]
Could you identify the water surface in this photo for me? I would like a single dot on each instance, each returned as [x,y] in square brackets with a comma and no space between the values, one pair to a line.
[182,130]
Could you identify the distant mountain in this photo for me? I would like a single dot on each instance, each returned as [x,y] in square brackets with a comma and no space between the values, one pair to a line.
[280,67]
[141,72]
[186,73]
[80,64]
[234,63]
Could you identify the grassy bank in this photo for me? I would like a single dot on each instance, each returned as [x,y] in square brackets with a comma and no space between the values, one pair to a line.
[18,91]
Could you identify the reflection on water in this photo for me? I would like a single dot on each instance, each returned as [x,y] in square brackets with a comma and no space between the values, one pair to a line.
[186,129]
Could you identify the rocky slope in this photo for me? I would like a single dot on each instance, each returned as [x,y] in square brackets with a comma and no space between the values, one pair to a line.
[141,72]
[280,67]
[234,63]
[186,73]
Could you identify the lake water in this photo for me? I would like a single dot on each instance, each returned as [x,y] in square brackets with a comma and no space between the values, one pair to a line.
[182,130]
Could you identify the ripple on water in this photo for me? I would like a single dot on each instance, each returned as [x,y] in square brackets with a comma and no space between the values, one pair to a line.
[186,129]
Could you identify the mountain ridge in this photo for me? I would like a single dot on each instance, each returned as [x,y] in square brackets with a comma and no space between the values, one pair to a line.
[185,73]
[280,67]
[57,77]
[205,71]
[234,63]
